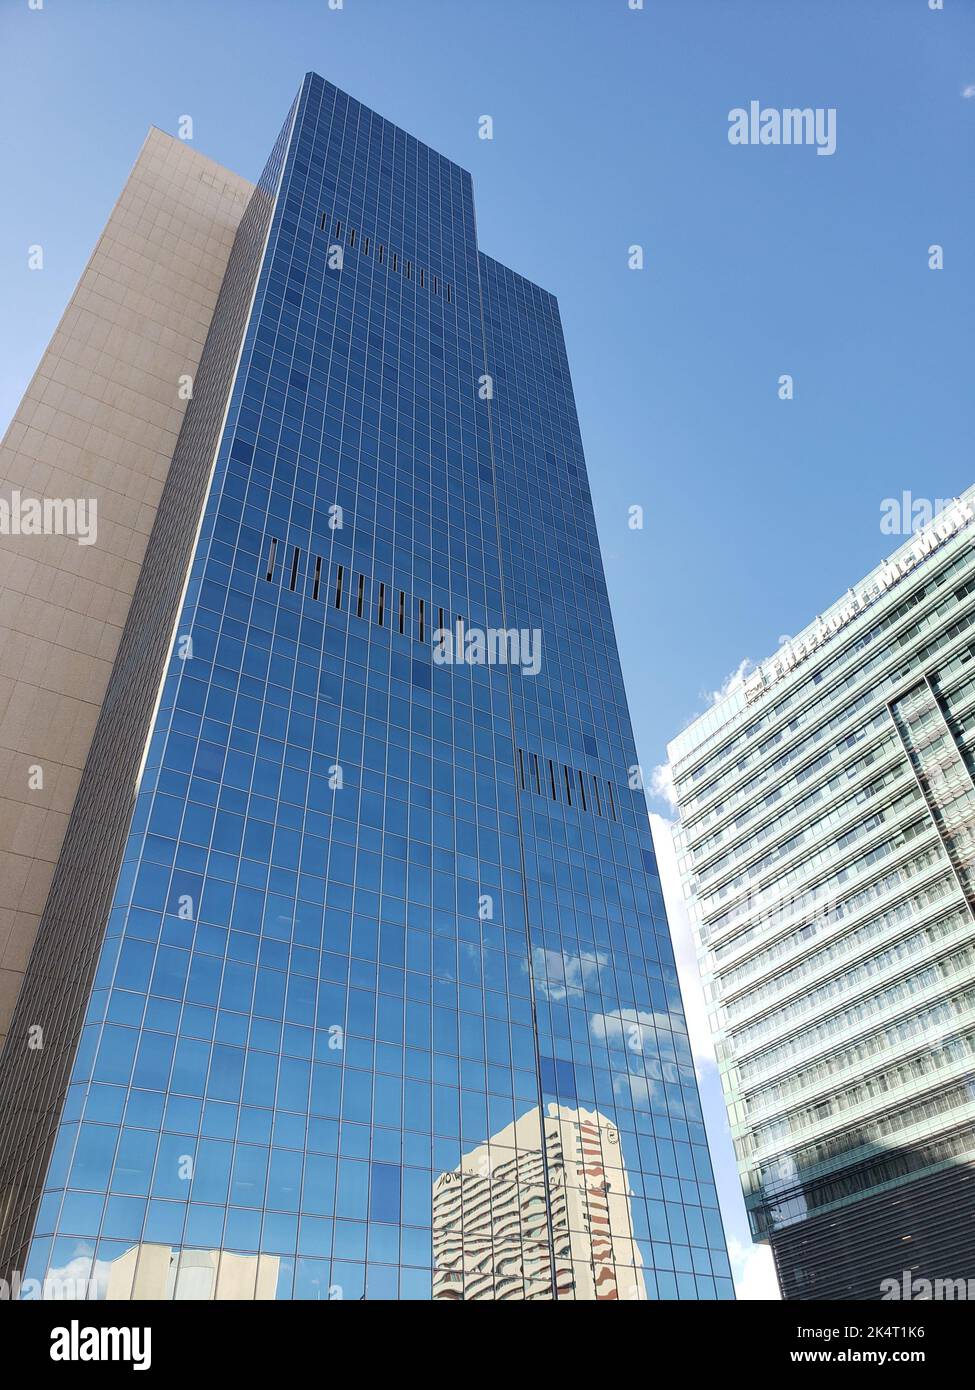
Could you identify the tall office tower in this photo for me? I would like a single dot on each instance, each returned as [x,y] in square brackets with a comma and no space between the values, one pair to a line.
[354,878]
[827,845]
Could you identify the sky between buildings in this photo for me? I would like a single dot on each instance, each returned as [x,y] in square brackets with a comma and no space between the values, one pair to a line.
[610,130]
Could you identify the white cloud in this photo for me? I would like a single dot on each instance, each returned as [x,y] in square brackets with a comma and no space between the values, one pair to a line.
[662,777]
[637,1030]
[969,91]
[79,1279]
[731,682]
[754,1271]
[662,784]
[556,972]
[682,936]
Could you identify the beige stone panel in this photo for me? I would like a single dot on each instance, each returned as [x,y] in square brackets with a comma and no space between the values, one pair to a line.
[10,982]
[15,870]
[20,939]
[99,421]
[7,919]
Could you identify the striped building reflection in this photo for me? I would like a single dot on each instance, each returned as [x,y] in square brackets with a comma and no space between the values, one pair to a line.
[529,1213]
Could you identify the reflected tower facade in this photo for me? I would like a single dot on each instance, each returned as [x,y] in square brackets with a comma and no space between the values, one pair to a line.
[372,885]
[543,1202]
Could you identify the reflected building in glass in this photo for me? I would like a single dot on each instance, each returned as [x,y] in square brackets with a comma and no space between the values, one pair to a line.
[530,1209]
[159,1272]
[354,978]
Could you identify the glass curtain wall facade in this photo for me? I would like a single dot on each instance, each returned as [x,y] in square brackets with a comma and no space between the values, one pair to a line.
[386,922]
[827,844]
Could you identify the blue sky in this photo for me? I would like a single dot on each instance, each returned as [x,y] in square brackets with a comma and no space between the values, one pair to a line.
[610,129]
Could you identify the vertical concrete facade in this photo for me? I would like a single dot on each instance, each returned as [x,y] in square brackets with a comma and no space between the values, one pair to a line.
[98,422]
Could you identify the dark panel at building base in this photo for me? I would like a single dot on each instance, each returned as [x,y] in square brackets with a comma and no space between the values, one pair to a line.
[924,1230]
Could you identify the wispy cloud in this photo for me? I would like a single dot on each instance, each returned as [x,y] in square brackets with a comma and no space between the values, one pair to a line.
[969,91]
[557,973]
[754,1271]
[662,777]
[731,682]
[662,784]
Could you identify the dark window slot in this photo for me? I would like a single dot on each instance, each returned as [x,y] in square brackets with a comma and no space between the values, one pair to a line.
[581,789]
[431,282]
[338,586]
[382,604]
[316,588]
[402,612]
[422,621]
[294,570]
[270,558]
[360,596]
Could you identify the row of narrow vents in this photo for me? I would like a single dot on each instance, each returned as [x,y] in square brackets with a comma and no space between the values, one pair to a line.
[399,264]
[571,786]
[352,591]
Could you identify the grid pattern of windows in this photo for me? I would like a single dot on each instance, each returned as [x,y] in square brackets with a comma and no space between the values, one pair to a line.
[347,958]
[827,845]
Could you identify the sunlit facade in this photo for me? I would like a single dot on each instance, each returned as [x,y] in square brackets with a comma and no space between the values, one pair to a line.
[373,909]
[827,845]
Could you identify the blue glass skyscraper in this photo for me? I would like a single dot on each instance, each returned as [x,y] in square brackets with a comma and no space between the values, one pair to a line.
[354,977]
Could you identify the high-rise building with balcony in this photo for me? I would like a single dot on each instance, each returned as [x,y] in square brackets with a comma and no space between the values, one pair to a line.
[354,878]
[827,848]
[544,1190]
